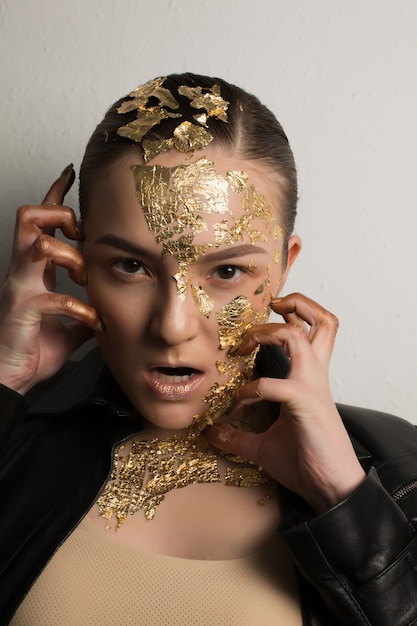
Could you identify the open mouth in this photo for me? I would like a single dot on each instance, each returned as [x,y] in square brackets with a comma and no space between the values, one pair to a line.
[175,374]
[174,383]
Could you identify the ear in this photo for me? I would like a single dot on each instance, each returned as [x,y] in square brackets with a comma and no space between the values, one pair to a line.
[294,247]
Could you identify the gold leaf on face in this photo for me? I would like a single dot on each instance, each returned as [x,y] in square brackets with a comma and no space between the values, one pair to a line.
[235,318]
[202,301]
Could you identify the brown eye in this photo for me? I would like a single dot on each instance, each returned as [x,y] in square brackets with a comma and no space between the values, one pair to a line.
[129,266]
[226,272]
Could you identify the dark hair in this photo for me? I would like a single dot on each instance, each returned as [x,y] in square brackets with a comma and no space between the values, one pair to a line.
[252,132]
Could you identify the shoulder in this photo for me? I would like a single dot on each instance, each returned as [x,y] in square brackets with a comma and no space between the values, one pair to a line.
[382,434]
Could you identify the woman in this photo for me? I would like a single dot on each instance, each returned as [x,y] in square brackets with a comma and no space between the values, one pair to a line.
[174,461]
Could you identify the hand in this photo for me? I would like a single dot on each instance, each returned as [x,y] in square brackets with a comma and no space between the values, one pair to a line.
[34,341]
[307,449]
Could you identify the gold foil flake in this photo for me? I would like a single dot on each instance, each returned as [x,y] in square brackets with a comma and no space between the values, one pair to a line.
[182,281]
[146,120]
[277,232]
[259,289]
[209,99]
[276,255]
[221,232]
[201,118]
[256,205]
[202,301]
[237,180]
[143,93]
[153,147]
[189,137]
[252,266]
[184,250]
[200,187]
[245,477]
[235,318]
[256,235]
[141,478]
[222,367]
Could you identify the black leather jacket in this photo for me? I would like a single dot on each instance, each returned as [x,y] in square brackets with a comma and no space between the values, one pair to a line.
[356,564]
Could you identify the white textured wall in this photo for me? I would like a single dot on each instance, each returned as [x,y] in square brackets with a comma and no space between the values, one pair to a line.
[341,77]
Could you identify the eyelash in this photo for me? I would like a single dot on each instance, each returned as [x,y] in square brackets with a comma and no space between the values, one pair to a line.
[234,268]
[119,265]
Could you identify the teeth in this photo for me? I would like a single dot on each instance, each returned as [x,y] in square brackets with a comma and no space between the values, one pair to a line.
[173,379]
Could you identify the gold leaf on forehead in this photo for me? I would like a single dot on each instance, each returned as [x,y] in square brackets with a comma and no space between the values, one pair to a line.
[237,180]
[200,187]
[221,231]
[256,235]
[211,100]
[145,121]
[277,232]
[153,147]
[202,300]
[256,204]
[276,255]
[184,250]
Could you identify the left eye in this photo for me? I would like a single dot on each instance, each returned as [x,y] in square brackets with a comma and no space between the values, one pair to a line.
[227,272]
[129,266]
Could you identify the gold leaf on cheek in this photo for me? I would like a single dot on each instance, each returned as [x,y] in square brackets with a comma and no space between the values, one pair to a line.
[202,301]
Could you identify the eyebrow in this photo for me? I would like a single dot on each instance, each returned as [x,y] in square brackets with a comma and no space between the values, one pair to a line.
[125,245]
[229,253]
[218,255]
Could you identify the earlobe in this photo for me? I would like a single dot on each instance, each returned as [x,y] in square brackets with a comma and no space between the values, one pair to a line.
[294,247]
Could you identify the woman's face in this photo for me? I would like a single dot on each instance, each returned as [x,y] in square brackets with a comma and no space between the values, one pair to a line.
[183,255]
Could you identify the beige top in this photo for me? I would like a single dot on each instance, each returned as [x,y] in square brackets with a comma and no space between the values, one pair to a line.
[93,581]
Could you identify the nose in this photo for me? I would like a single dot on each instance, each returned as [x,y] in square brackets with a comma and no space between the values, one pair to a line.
[175,321]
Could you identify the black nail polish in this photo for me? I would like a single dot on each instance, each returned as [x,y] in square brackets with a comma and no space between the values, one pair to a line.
[67,169]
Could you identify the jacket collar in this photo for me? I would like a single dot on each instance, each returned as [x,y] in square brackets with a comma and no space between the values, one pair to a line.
[78,383]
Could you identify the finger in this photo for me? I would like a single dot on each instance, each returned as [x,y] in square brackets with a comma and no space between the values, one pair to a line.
[232,441]
[32,220]
[260,390]
[48,250]
[59,188]
[69,306]
[272,334]
[323,324]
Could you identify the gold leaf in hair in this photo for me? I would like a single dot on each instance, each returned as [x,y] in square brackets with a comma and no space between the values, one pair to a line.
[145,121]
[208,99]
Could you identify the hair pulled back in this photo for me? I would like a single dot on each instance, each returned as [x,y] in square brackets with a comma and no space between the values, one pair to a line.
[252,132]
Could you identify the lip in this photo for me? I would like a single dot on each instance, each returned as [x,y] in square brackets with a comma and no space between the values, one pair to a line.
[175,386]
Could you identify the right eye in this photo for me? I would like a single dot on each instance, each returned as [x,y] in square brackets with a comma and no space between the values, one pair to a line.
[128,266]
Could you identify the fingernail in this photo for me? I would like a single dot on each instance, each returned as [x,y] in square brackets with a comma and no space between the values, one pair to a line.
[67,169]
[99,327]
